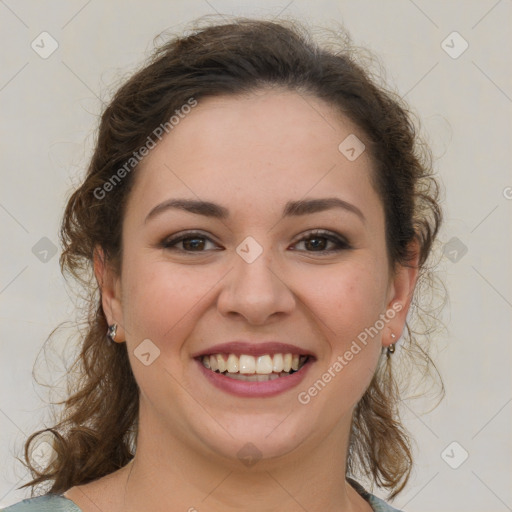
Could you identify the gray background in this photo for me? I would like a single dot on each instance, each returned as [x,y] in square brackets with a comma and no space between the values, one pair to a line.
[49,109]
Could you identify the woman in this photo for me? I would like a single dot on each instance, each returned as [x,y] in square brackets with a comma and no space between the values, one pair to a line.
[256,217]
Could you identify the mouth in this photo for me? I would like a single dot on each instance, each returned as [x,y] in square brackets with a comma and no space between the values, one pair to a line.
[254,369]
[251,368]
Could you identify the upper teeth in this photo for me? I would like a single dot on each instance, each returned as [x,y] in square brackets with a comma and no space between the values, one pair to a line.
[248,365]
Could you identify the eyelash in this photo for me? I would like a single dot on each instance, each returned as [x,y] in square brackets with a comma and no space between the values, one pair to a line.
[170,243]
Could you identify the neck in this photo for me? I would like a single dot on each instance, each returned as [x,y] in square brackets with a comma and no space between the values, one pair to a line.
[171,475]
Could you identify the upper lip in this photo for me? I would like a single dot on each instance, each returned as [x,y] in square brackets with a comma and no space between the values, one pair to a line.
[254,349]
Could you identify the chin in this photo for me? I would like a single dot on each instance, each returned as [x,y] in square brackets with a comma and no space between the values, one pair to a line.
[253,438]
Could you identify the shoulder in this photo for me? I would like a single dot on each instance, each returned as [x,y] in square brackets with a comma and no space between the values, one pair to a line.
[377,504]
[45,503]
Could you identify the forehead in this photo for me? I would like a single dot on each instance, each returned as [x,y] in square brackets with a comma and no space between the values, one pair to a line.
[257,151]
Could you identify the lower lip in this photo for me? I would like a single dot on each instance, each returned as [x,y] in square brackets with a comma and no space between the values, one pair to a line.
[255,389]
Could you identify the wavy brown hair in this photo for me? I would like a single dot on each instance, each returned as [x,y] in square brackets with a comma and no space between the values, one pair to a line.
[96,431]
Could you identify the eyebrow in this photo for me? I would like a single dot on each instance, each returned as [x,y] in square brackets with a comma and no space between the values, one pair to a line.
[291,209]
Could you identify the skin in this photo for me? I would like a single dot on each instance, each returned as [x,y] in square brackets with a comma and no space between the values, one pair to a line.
[250,154]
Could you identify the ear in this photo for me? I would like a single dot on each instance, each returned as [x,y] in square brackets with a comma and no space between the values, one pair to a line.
[110,287]
[400,296]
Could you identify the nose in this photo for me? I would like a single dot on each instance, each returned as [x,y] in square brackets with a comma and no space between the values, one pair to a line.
[255,291]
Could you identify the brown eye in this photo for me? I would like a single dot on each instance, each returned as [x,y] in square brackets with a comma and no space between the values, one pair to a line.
[324,242]
[191,242]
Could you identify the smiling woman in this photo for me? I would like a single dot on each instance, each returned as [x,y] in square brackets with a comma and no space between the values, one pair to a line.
[248,282]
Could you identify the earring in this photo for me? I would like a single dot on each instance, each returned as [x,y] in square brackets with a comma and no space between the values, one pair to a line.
[111,333]
[391,348]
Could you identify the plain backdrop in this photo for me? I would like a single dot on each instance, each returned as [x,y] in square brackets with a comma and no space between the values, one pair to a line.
[459,84]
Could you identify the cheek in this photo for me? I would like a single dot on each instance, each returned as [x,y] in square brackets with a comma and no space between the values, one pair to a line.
[159,304]
[350,299]
[159,300]
[349,306]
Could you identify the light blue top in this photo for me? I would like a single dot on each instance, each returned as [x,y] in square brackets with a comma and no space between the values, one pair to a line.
[45,503]
[58,503]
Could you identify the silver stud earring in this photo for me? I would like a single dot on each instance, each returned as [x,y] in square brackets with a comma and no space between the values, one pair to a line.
[112,331]
[391,348]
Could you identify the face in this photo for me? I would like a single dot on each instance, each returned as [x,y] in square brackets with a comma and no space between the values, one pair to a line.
[270,264]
